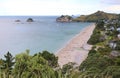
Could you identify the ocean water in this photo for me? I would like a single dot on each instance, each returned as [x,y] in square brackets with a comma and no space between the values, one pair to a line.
[43,34]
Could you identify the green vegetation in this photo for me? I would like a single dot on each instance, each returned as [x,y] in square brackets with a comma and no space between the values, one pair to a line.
[52,60]
[97,36]
[40,65]
[99,15]
[27,66]
[6,66]
[118,45]
[103,60]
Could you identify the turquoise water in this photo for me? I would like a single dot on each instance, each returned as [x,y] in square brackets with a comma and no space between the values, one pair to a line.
[43,34]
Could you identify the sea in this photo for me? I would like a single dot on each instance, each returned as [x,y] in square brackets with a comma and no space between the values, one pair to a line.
[44,34]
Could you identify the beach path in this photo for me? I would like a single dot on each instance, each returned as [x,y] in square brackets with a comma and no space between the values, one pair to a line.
[76,50]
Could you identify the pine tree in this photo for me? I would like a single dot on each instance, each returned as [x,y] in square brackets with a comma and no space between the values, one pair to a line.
[8,64]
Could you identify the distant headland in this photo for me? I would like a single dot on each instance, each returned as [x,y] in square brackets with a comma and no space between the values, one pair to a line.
[94,17]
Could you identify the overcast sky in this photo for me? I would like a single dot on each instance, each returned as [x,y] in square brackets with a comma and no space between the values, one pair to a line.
[57,7]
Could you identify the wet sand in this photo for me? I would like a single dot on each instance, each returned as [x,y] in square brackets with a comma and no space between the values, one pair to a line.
[76,50]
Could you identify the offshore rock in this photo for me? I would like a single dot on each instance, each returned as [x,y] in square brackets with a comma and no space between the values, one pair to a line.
[30,20]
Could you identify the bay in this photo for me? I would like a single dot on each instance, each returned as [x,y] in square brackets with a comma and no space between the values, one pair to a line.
[43,34]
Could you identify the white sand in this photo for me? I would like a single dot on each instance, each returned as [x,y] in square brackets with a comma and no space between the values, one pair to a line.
[76,50]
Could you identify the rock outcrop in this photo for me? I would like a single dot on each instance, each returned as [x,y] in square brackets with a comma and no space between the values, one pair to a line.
[64,18]
[30,20]
[17,21]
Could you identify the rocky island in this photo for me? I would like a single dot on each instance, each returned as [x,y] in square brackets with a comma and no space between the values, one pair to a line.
[17,21]
[30,20]
[64,18]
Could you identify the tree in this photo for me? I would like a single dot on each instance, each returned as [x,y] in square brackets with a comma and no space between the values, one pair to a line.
[95,38]
[32,67]
[112,71]
[21,65]
[8,64]
[67,69]
[100,25]
[51,58]
[1,67]
[38,67]
[117,45]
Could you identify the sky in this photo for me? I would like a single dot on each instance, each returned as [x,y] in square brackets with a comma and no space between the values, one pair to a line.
[57,7]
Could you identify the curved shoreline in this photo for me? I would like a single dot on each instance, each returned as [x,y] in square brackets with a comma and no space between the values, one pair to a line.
[76,50]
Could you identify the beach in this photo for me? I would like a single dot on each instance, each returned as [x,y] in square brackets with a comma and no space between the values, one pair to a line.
[76,50]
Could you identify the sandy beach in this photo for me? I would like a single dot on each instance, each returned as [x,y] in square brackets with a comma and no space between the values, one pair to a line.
[76,50]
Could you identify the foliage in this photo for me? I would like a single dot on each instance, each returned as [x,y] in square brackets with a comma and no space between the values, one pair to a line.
[67,67]
[8,64]
[92,51]
[95,38]
[99,15]
[100,63]
[51,58]
[104,51]
[118,45]
[21,64]
[32,67]
[112,71]
[100,25]
[117,61]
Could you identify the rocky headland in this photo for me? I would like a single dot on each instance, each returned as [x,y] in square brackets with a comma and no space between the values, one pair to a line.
[94,17]
[64,18]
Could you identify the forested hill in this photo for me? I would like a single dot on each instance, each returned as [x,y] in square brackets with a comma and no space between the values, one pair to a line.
[99,15]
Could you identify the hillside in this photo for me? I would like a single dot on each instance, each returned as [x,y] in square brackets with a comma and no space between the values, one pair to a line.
[96,16]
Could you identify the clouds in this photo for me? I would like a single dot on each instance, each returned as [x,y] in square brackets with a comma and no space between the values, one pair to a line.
[40,7]
[113,9]
[26,7]
[55,7]
[112,6]
[114,2]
